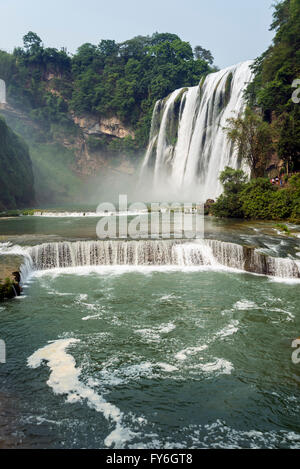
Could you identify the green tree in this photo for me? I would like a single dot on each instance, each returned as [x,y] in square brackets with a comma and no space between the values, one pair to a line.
[123,80]
[252,137]
[203,54]
[32,42]
[289,140]
[233,180]
[229,204]
[127,79]
[275,71]
[256,199]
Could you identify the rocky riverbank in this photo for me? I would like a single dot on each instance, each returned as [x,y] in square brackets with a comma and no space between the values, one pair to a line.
[10,276]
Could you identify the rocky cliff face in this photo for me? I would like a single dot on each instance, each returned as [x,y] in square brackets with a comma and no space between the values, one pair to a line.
[67,158]
[99,126]
[90,161]
[87,161]
[16,175]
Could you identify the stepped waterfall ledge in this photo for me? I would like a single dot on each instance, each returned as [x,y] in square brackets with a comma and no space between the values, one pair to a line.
[188,147]
[177,254]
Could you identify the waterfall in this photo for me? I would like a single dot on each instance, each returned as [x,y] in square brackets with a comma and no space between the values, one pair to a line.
[188,147]
[2,92]
[156,253]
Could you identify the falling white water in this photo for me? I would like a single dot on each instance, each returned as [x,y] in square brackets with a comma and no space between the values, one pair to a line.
[212,253]
[2,92]
[188,146]
[179,254]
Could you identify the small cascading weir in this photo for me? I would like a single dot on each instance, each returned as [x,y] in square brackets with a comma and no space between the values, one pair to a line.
[285,268]
[157,253]
[188,147]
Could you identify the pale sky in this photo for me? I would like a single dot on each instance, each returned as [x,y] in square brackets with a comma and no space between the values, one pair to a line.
[234,30]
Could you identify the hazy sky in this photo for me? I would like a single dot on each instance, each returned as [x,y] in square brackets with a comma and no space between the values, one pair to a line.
[234,30]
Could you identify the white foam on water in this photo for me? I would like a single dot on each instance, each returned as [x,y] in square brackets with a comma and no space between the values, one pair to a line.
[4,247]
[95,316]
[150,335]
[154,334]
[219,365]
[226,437]
[229,330]
[109,378]
[290,316]
[82,297]
[185,353]
[113,374]
[166,328]
[219,435]
[138,370]
[169,297]
[287,281]
[49,288]
[167,367]
[13,249]
[57,293]
[117,270]
[245,304]
[90,306]
[64,380]
[39,420]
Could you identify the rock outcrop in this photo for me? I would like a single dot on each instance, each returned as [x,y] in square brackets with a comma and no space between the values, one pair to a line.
[99,126]
[10,277]
[87,162]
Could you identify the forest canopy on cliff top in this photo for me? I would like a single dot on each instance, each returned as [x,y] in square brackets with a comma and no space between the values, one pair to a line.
[124,80]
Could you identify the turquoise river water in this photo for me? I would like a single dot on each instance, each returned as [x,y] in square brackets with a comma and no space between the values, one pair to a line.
[146,356]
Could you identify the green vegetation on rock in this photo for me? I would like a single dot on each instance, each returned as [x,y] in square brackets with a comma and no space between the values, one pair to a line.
[258,198]
[108,79]
[252,137]
[16,175]
[271,90]
[269,128]
[285,229]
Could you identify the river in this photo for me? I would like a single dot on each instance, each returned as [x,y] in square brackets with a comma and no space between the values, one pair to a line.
[151,356]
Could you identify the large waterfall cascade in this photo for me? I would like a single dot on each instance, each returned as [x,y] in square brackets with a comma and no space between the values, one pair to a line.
[205,252]
[188,147]
[2,92]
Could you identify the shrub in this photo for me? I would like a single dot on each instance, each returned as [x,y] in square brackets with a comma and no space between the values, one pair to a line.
[229,204]
[256,198]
